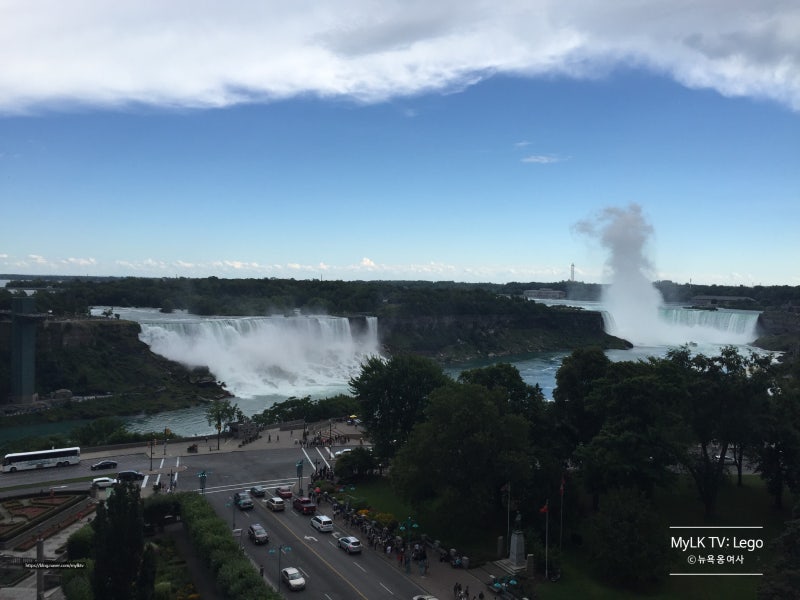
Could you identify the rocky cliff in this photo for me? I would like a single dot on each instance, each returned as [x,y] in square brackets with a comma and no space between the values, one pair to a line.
[467,337]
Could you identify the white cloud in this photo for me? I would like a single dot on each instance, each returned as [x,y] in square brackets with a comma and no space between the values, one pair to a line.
[541,159]
[189,54]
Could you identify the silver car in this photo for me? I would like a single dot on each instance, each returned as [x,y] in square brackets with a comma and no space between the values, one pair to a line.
[293,578]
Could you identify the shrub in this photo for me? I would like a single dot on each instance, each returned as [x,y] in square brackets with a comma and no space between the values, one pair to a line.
[81,543]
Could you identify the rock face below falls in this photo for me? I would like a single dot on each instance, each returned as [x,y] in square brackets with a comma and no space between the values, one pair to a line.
[466,337]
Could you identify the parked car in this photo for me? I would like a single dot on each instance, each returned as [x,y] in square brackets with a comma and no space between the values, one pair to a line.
[257,534]
[293,578]
[275,504]
[728,460]
[304,505]
[103,482]
[258,490]
[350,544]
[283,491]
[130,476]
[243,500]
[322,523]
[104,464]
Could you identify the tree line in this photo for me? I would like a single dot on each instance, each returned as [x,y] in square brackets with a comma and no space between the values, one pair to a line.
[614,429]
[212,295]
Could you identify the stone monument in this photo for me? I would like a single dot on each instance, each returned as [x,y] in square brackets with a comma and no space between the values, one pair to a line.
[516,555]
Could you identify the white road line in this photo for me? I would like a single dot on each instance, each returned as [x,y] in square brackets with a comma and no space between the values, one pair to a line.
[384,587]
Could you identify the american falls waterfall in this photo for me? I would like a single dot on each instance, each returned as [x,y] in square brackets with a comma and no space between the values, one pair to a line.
[257,356]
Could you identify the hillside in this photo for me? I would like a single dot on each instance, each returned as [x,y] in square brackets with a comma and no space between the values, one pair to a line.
[104,356]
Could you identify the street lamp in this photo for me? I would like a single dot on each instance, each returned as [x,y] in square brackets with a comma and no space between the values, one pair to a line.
[406,526]
[232,504]
[299,466]
[280,550]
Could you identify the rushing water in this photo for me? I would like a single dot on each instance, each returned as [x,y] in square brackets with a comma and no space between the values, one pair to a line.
[264,360]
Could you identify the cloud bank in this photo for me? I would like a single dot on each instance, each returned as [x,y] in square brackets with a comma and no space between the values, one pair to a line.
[183,54]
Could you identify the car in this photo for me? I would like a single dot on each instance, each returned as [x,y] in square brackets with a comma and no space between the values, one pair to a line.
[343,452]
[104,464]
[258,490]
[275,504]
[257,534]
[424,597]
[350,544]
[243,500]
[304,505]
[283,491]
[322,523]
[103,482]
[130,476]
[293,578]
[729,460]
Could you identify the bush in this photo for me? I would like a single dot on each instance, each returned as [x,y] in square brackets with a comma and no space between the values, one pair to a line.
[81,543]
[627,540]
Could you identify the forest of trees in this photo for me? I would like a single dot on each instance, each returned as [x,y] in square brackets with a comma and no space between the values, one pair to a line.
[614,429]
[212,295]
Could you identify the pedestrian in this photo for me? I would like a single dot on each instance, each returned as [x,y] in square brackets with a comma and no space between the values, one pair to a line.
[480,596]
[261,570]
[456,589]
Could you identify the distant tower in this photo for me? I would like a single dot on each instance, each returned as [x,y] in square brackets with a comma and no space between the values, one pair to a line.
[23,349]
[572,272]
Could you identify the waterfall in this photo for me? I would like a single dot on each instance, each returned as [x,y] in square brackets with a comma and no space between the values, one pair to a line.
[676,326]
[257,356]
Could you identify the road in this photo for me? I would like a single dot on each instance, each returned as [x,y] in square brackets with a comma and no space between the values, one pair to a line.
[331,573]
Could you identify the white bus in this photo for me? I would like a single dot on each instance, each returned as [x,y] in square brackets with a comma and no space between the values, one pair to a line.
[57,457]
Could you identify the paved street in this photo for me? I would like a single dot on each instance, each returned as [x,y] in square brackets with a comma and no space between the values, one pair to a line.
[269,460]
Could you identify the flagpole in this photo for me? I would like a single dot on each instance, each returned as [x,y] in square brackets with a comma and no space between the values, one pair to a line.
[561,531]
[546,535]
[508,517]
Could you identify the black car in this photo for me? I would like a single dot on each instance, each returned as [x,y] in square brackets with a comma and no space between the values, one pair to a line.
[130,476]
[258,490]
[104,464]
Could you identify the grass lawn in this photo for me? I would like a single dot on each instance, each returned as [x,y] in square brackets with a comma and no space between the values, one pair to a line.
[749,505]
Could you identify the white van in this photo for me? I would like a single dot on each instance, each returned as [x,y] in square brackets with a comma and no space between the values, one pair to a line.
[322,523]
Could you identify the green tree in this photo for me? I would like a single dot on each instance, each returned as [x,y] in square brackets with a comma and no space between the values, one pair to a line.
[718,393]
[574,382]
[356,464]
[778,457]
[219,413]
[464,446]
[627,541]
[119,544]
[781,579]
[392,395]
[639,434]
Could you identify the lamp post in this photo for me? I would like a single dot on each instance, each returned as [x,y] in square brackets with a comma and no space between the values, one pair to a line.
[232,504]
[406,527]
[299,466]
[280,550]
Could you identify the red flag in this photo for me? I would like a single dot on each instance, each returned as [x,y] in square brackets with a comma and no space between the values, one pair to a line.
[561,489]
[544,508]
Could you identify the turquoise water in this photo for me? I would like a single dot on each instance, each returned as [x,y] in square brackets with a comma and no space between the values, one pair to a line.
[8,434]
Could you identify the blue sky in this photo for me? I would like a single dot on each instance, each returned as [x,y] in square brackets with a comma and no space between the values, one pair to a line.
[399,140]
